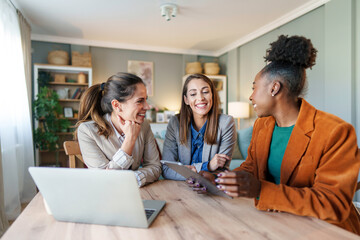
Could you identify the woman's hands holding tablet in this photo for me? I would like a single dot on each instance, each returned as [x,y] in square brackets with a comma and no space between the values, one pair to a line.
[234,184]
[196,186]
[239,184]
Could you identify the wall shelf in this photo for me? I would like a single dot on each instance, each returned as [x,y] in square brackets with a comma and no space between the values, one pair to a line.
[74,89]
[68,84]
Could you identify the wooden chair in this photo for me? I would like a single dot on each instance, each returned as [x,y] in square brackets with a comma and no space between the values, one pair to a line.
[72,149]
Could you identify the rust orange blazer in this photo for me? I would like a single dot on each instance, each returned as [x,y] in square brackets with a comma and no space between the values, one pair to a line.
[319,170]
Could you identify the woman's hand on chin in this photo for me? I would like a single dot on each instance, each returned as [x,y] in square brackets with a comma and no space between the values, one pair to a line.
[130,128]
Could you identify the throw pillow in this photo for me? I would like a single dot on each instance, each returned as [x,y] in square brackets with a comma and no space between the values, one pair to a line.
[162,134]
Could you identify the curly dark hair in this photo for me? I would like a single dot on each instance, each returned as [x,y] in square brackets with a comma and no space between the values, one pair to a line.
[288,58]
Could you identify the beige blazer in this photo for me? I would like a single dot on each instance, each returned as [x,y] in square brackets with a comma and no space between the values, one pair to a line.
[98,151]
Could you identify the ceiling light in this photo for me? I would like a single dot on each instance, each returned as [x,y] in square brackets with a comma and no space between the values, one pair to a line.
[168,10]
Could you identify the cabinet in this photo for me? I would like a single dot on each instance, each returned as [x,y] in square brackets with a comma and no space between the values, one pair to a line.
[220,82]
[64,80]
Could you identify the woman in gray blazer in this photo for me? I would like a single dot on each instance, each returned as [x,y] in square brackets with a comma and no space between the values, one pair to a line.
[199,137]
[111,130]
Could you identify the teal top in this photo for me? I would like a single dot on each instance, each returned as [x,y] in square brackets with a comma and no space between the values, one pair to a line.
[279,141]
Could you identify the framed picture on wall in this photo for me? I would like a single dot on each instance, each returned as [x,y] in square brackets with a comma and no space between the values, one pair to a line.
[168,115]
[218,85]
[144,70]
[160,117]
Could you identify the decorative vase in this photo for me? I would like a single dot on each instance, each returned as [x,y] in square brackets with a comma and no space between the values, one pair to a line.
[211,68]
[63,93]
[81,78]
[193,67]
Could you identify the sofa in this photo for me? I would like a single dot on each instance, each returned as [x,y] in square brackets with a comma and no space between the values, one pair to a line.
[240,151]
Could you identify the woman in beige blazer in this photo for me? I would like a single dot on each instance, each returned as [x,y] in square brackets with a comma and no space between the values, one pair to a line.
[111,130]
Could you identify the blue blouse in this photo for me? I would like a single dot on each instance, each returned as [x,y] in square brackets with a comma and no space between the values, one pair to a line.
[197,144]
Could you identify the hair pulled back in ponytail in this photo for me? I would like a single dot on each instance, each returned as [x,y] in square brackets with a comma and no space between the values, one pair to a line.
[288,58]
[96,100]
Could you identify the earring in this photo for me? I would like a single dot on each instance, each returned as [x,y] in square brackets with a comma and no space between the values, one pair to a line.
[272,95]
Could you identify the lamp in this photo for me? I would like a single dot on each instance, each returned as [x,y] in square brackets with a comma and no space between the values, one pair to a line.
[168,10]
[239,110]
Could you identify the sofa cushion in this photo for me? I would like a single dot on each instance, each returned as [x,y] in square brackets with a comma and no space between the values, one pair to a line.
[235,163]
[244,138]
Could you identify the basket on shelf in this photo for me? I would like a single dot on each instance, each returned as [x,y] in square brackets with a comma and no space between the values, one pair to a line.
[58,57]
[211,68]
[59,78]
[81,60]
[193,67]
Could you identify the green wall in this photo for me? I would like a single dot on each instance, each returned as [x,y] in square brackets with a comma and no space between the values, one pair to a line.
[168,71]
[168,68]
[246,61]
[333,83]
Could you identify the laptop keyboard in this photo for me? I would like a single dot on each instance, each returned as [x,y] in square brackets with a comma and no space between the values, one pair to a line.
[149,212]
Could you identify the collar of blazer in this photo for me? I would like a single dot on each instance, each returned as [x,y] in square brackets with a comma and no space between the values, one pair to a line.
[297,145]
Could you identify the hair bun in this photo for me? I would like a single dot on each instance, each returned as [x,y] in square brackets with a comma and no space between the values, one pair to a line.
[295,50]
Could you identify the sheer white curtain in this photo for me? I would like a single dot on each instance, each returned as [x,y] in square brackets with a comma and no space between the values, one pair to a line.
[25,32]
[15,122]
[4,224]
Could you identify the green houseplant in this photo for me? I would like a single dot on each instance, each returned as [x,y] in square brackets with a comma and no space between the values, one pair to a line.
[46,110]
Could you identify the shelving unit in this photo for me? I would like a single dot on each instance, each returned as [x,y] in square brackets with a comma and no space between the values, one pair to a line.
[220,82]
[71,73]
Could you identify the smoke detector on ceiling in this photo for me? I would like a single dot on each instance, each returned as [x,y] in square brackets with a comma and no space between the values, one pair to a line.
[168,10]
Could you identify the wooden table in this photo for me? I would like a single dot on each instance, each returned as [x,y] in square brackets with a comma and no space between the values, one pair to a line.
[186,215]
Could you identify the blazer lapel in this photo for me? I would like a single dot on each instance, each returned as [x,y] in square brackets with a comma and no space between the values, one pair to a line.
[264,139]
[185,151]
[298,142]
[114,142]
[206,152]
[295,149]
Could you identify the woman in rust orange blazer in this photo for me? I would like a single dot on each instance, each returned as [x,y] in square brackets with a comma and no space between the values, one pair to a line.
[300,160]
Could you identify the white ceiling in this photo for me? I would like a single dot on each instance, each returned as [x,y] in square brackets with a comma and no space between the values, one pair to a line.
[204,27]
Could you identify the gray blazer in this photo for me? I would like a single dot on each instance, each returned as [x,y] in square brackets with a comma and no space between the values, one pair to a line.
[174,151]
[97,151]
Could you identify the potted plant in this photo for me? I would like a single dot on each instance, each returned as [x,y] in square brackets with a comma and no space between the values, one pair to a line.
[46,110]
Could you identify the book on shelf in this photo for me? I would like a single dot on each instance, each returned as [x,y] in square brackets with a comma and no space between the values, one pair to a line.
[77,90]
[81,93]
[77,93]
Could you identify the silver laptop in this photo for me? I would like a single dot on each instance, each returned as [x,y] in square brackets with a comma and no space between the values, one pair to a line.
[107,197]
